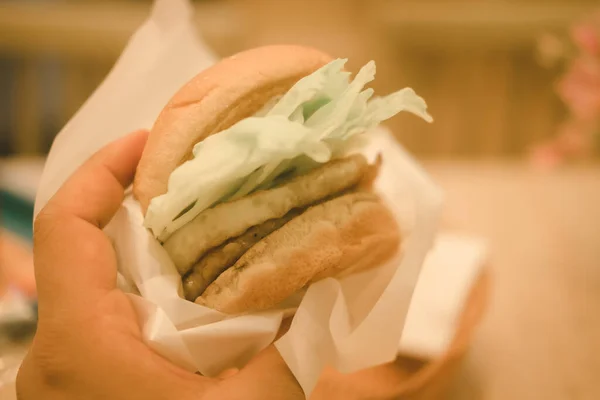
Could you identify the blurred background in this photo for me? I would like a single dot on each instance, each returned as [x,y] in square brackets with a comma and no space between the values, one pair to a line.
[475,61]
[513,86]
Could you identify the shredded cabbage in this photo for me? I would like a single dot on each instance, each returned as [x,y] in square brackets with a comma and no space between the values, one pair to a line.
[318,119]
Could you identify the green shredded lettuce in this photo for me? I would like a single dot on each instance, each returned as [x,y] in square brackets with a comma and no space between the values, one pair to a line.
[319,118]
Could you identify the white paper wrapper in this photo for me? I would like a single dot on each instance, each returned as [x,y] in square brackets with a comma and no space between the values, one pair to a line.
[350,324]
[452,267]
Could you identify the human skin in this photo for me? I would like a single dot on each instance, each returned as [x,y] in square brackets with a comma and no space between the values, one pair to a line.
[88,344]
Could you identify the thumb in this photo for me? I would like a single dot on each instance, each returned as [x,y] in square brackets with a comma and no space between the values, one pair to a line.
[74,260]
[266,377]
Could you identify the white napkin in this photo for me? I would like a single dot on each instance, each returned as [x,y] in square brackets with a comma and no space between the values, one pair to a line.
[350,324]
[447,277]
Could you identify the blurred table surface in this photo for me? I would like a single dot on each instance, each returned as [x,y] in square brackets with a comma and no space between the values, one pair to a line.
[541,336]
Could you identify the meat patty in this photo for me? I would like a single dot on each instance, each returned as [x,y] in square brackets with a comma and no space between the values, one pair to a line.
[216,225]
[224,256]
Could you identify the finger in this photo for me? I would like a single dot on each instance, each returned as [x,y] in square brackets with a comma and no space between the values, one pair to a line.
[266,377]
[228,373]
[95,191]
[74,260]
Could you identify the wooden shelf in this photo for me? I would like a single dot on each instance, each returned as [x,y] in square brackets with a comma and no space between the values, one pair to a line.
[467,23]
[92,30]
[101,29]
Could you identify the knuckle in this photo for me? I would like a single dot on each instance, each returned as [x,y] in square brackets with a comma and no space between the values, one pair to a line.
[51,360]
[44,225]
[36,376]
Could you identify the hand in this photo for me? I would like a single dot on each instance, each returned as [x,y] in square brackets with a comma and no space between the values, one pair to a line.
[88,343]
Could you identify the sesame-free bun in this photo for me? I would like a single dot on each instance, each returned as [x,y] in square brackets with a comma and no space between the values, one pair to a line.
[273,242]
[232,89]
[345,235]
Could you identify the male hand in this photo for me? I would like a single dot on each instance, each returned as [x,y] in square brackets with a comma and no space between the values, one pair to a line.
[88,343]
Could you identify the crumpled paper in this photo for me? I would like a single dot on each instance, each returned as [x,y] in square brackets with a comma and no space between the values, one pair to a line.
[349,324]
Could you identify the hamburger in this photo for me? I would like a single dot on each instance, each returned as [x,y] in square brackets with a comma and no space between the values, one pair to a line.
[253,181]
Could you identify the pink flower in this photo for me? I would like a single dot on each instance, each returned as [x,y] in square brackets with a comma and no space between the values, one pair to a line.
[580,88]
[574,138]
[547,156]
[573,141]
[587,38]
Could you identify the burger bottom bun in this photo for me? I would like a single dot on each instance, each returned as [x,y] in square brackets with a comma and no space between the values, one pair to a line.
[347,234]
[230,219]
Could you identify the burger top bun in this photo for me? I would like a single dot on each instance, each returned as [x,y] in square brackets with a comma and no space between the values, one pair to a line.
[233,89]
